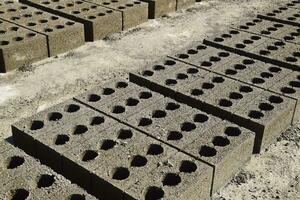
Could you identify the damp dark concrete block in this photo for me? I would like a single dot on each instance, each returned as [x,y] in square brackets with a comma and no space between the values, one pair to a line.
[268,50]
[180,178]
[276,30]
[182,4]
[26,130]
[98,21]
[133,12]
[112,161]
[158,8]
[61,34]
[51,146]
[283,14]
[20,47]
[227,147]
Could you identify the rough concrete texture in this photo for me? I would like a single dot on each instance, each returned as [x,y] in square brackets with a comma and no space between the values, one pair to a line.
[182,4]
[285,32]
[61,34]
[158,8]
[27,129]
[20,46]
[181,177]
[262,48]
[22,177]
[133,12]
[99,22]
[283,14]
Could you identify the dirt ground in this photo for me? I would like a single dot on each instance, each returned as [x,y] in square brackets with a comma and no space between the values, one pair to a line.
[274,174]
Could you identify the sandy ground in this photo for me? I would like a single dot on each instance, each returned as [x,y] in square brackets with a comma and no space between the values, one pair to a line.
[275,174]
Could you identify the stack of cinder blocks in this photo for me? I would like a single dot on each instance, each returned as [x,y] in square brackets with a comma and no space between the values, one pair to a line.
[181,127]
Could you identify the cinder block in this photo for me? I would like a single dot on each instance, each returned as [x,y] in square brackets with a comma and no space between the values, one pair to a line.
[26,130]
[20,46]
[158,8]
[226,147]
[182,4]
[283,14]
[98,21]
[268,50]
[276,30]
[61,34]
[133,12]
[180,178]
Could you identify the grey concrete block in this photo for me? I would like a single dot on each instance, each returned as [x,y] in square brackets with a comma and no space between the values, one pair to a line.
[98,21]
[62,35]
[133,12]
[226,147]
[276,30]
[158,8]
[27,129]
[20,46]
[180,178]
[265,49]
[182,4]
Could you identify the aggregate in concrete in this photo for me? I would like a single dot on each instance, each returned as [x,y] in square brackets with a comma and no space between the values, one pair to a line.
[283,14]
[22,177]
[223,97]
[134,12]
[158,8]
[20,46]
[26,130]
[269,50]
[61,34]
[285,32]
[98,21]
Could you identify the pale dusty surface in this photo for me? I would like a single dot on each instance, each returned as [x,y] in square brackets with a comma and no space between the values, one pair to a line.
[270,175]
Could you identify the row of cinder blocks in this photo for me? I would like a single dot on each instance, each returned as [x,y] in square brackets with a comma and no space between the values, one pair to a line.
[22,177]
[161,148]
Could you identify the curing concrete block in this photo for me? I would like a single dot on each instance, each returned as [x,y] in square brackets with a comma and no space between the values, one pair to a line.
[26,130]
[180,178]
[112,161]
[276,30]
[98,21]
[62,35]
[133,12]
[283,14]
[20,46]
[158,8]
[269,50]
[51,146]
[182,4]
[226,147]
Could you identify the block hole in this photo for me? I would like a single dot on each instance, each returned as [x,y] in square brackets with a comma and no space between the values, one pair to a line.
[125,134]
[147,73]
[108,91]
[121,173]
[36,125]
[240,46]
[94,98]
[266,107]
[232,131]
[196,92]
[235,95]
[171,82]
[54,116]
[246,89]
[62,139]
[230,72]
[275,69]
[288,90]
[72,108]
[108,144]
[145,95]
[89,155]
[159,114]
[192,51]
[225,103]
[223,54]
[118,109]
[207,86]
[145,122]
[169,62]
[139,161]
[206,64]
[220,141]
[207,151]
[239,67]
[192,71]
[291,59]
[155,149]
[200,118]
[182,56]
[218,79]
[255,114]
[294,84]
[275,99]
[174,135]
[80,129]
[187,166]
[15,161]
[181,76]
[214,59]
[264,52]
[158,67]
[172,106]
[257,80]
[171,179]
[154,193]
[248,62]
[20,194]
[97,121]
[77,197]
[45,181]
[266,75]
[121,84]
[201,47]
[188,126]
